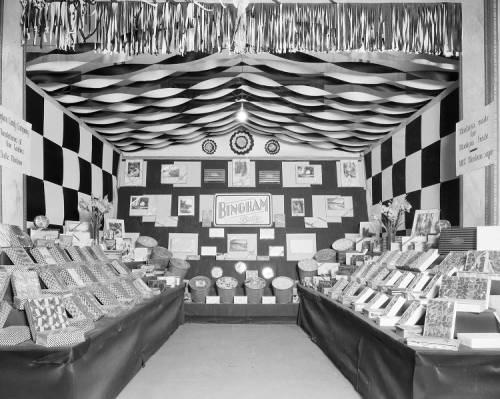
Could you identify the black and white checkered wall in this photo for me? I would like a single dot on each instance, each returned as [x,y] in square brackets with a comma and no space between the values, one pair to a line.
[67,162]
[419,161]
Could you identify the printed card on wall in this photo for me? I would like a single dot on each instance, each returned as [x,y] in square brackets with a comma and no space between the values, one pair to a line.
[141,205]
[163,209]
[241,173]
[193,174]
[351,173]
[173,174]
[206,209]
[308,174]
[288,172]
[134,173]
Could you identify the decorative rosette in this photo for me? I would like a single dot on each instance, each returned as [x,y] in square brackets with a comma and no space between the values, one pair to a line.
[272,147]
[209,147]
[241,142]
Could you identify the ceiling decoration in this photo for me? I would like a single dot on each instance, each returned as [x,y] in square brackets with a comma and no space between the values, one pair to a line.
[209,147]
[241,142]
[272,147]
[162,27]
[151,74]
[344,101]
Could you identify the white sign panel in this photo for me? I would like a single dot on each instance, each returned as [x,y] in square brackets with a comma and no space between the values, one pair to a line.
[476,145]
[243,210]
[14,141]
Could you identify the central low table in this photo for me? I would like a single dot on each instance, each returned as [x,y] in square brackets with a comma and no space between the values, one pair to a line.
[101,366]
[380,365]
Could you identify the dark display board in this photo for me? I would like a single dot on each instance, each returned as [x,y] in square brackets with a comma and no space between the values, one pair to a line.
[295,224]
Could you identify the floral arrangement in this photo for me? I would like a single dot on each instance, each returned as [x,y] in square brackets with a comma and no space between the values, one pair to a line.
[391,214]
[96,207]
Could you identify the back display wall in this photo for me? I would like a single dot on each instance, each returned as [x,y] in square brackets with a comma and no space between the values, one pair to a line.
[267,172]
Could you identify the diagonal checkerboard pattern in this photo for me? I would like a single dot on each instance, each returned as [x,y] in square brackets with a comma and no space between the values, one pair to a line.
[68,162]
[419,161]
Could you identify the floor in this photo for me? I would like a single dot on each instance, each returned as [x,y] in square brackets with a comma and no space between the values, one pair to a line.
[239,361]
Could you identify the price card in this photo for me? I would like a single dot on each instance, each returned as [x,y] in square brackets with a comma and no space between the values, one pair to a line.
[211,300]
[208,251]
[240,300]
[268,300]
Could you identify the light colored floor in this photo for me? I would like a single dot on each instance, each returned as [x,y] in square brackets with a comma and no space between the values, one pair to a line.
[239,361]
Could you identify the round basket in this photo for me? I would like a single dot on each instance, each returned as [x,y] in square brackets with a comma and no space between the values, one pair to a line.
[160,253]
[307,268]
[226,287]
[326,255]
[146,242]
[283,289]
[178,267]
[254,288]
[199,286]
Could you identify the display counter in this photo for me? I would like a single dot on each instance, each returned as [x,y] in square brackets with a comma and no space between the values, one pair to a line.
[232,313]
[380,365]
[100,367]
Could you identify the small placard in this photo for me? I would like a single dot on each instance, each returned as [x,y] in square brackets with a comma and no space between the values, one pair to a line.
[276,251]
[208,251]
[240,300]
[269,300]
[212,300]
[216,233]
[267,234]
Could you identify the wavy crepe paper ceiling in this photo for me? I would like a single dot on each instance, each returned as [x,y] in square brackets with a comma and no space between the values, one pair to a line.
[345,100]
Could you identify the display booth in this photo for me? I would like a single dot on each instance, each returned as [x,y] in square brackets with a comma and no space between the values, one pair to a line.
[331,165]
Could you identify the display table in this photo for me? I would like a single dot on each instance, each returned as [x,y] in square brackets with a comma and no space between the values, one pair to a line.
[379,365]
[231,313]
[101,366]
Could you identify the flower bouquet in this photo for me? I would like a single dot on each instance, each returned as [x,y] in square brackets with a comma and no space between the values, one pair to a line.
[392,215]
[96,207]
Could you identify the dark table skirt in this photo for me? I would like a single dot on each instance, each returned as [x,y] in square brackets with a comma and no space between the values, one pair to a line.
[101,366]
[379,365]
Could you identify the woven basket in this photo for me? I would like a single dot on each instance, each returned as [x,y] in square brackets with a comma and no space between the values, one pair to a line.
[326,255]
[199,294]
[146,242]
[307,268]
[178,267]
[226,293]
[283,289]
[253,291]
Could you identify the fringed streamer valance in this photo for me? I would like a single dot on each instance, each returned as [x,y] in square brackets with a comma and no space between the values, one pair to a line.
[136,27]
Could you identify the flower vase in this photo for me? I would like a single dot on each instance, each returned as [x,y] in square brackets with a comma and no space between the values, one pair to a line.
[391,238]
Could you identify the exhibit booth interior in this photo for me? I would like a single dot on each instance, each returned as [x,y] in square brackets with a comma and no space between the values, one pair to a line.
[328,164]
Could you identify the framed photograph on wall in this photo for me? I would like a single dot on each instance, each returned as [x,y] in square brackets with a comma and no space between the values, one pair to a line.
[300,246]
[140,205]
[304,173]
[185,205]
[183,244]
[351,173]
[298,206]
[173,174]
[369,229]
[115,226]
[425,222]
[242,244]
[133,174]
[241,173]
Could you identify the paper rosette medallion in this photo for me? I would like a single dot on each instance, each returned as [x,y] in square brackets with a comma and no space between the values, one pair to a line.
[241,142]
[272,147]
[209,147]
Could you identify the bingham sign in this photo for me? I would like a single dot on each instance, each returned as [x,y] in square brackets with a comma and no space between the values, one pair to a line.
[243,210]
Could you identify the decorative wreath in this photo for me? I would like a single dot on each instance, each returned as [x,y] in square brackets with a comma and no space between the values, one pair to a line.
[272,147]
[241,142]
[209,146]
